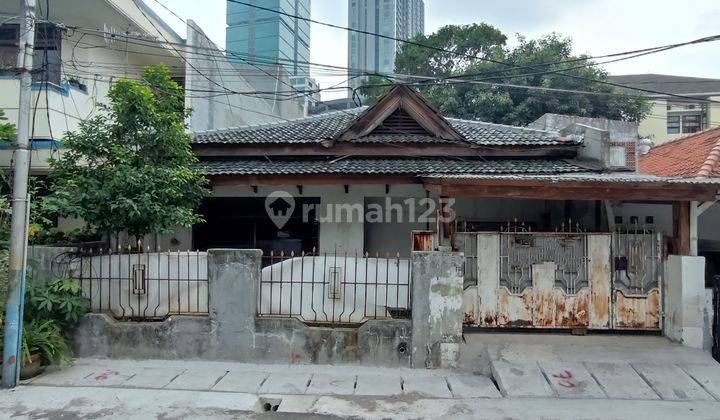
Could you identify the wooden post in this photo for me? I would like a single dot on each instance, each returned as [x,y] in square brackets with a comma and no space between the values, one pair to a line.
[681,220]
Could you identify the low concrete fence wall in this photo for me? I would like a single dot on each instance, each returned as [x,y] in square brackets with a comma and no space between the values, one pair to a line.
[233,331]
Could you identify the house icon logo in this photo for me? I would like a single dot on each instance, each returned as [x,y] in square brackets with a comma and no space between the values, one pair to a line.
[279,206]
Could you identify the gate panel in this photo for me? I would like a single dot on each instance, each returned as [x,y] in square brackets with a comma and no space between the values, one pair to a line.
[539,280]
[599,250]
[637,280]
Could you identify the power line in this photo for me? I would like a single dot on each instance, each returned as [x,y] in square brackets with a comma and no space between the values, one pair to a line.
[476,57]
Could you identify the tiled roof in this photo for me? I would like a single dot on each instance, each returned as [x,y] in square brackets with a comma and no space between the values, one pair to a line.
[678,85]
[610,177]
[697,155]
[395,166]
[327,126]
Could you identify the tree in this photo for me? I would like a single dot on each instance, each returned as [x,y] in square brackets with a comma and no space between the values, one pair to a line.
[7,130]
[131,168]
[504,104]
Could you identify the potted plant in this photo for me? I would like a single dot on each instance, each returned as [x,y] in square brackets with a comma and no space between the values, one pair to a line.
[51,310]
[73,81]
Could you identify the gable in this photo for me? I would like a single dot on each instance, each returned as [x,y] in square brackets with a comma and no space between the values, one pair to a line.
[400,122]
[401,112]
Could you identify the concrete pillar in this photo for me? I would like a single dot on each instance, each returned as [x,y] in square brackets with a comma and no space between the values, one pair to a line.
[437,313]
[685,300]
[233,277]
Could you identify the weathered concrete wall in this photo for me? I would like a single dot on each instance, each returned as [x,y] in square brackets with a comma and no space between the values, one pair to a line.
[685,300]
[179,337]
[437,312]
[233,277]
[232,331]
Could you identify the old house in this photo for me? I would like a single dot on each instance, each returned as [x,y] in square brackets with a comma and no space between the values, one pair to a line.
[512,194]
[403,227]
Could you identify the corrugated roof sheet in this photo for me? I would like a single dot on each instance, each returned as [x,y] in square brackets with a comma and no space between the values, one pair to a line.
[327,126]
[394,166]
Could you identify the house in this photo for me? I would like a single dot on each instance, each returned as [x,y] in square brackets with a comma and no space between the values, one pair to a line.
[82,46]
[397,178]
[672,117]
[693,157]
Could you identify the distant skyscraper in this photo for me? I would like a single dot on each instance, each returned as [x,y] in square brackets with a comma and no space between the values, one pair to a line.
[401,19]
[266,37]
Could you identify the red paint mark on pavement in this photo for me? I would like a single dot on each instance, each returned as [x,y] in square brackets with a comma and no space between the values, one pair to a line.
[105,375]
[565,379]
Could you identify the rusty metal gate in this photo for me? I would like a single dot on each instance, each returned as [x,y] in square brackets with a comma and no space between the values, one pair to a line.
[537,279]
[563,279]
[637,279]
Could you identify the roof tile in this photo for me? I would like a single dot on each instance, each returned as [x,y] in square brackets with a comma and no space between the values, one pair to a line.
[697,155]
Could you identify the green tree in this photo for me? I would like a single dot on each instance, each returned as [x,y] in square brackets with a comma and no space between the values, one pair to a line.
[7,130]
[492,102]
[131,168]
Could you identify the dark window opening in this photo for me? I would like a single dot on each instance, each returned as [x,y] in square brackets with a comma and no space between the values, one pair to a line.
[47,62]
[673,124]
[691,123]
[244,223]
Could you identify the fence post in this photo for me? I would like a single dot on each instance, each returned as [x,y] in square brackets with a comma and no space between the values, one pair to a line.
[437,314]
[233,281]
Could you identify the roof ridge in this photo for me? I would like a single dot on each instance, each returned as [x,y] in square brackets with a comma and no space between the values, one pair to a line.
[708,167]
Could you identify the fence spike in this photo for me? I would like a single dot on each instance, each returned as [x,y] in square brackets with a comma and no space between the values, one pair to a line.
[272,252]
[262,254]
[302,253]
[282,253]
[292,254]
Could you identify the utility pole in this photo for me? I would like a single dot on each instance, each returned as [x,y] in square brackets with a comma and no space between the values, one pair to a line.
[12,360]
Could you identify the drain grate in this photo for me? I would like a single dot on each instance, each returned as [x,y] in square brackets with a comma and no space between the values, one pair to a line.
[268,405]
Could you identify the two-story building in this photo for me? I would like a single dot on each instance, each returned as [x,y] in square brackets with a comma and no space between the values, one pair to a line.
[672,117]
[83,46]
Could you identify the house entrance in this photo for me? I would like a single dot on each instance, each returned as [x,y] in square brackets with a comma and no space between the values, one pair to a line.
[561,280]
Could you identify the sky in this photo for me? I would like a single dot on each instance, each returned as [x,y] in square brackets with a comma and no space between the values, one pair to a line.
[597,27]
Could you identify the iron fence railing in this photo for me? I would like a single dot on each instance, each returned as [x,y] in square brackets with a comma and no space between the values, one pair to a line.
[142,285]
[335,288]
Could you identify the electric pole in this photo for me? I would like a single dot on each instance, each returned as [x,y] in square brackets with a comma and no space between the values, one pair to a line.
[12,360]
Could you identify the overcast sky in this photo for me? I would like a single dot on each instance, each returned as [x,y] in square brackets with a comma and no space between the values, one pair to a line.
[596,27]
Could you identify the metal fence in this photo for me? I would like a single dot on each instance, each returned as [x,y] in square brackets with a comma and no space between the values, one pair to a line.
[333,288]
[142,285]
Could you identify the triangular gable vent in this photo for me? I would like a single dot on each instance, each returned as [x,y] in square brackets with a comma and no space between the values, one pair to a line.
[400,123]
[402,111]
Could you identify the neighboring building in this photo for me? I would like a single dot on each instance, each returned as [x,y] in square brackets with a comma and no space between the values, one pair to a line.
[82,65]
[402,19]
[621,136]
[671,117]
[332,105]
[308,92]
[265,37]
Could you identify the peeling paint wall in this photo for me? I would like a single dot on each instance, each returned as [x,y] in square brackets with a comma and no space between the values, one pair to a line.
[437,312]
[685,300]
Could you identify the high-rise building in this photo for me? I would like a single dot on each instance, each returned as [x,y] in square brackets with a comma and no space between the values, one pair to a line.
[267,37]
[402,19]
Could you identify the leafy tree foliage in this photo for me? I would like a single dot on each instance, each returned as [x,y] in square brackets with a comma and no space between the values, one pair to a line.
[502,104]
[7,130]
[130,168]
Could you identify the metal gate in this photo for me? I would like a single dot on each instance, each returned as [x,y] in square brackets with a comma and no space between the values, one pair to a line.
[563,279]
[537,279]
[637,279]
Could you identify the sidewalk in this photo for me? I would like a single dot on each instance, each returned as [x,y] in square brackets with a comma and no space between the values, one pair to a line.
[157,388]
